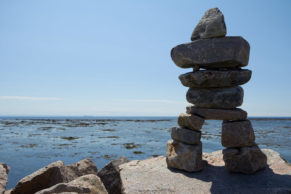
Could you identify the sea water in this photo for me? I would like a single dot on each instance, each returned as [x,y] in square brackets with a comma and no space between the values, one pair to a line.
[30,143]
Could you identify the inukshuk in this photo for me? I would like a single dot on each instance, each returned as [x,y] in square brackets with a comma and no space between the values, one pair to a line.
[215,93]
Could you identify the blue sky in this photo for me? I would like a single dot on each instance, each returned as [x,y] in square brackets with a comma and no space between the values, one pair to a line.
[89,57]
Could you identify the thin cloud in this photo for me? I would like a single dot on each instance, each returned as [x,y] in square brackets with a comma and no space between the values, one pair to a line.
[158,101]
[29,98]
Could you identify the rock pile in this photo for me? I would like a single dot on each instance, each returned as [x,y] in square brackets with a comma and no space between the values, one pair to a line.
[216,94]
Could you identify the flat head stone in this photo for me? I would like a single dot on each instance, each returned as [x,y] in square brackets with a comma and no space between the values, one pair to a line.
[218,114]
[237,134]
[190,121]
[184,156]
[216,97]
[215,53]
[185,135]
[245,160]
[215,79]
[211,25]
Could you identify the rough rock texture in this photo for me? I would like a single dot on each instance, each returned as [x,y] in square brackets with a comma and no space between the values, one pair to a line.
[214,53]
[183,156]
[211,25]
[90,184]
[218,114]
[185,135]
[216,97]
[4,169]
[245,160]
[153,176]
[54,173]
[110,175]
[193,122]
[215,79]
[237,134]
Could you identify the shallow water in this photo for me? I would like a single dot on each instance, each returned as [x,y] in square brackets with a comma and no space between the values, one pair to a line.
[27,144]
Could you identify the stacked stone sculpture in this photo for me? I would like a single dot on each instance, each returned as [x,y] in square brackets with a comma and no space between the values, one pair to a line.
[216,94]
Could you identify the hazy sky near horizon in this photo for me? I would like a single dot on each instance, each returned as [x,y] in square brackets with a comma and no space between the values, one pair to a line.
[74,57]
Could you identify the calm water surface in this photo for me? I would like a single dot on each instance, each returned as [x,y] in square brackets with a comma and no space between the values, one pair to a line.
[27,144]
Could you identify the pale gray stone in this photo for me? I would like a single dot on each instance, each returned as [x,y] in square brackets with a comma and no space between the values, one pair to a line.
[90,184]
[153,176]
[211,25]
[184,156]
[218,114]
[216,97]
[185,135]
[4,169]
[215,79]
[245,160]
[214,53]
[237,134]
[190,121]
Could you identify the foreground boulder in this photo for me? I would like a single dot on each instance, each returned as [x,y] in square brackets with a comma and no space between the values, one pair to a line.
[54,173]
[110,175]
[90,184]
[153,176]
[4,169]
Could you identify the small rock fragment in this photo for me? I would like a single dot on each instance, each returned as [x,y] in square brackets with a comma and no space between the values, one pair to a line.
[193,122]
[4,169]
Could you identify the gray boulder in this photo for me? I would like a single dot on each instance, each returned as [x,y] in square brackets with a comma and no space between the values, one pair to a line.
[218,114]
[245,160]
[110,175]
[214,53]
[215,79]
[54,173]
[211,25]
[216,97]
[237,134]
[190,121]
[184,156]
[153,176]
[90,184]
[4,169]
[185,135]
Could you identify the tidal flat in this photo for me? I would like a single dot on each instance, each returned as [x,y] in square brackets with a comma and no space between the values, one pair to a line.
[29,143]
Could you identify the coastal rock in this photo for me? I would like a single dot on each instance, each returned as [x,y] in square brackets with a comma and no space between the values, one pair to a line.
[237,134]
[245,160]
[153,176]
[216,97]
[4,169]
[193,122]
[214,53]
[185,135]
[54,173]
[218,114]
[110,175]
[90,184]
[215,79]
[184,157]
[211,25]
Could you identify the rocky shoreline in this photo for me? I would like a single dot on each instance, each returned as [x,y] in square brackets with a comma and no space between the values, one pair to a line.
[151,176]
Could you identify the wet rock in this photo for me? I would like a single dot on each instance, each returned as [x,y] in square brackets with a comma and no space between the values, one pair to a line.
[184,156]
[211,25]
[4,169]
[54,173]
[237,134]
[193,122]
[215,79]
[216,97]
[90,184]
[110,175]
[218,114]
[153,176]
[245,160]
[185,135]
[214,53]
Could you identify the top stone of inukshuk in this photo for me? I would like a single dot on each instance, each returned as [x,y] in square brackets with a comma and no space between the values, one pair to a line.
[216,94]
